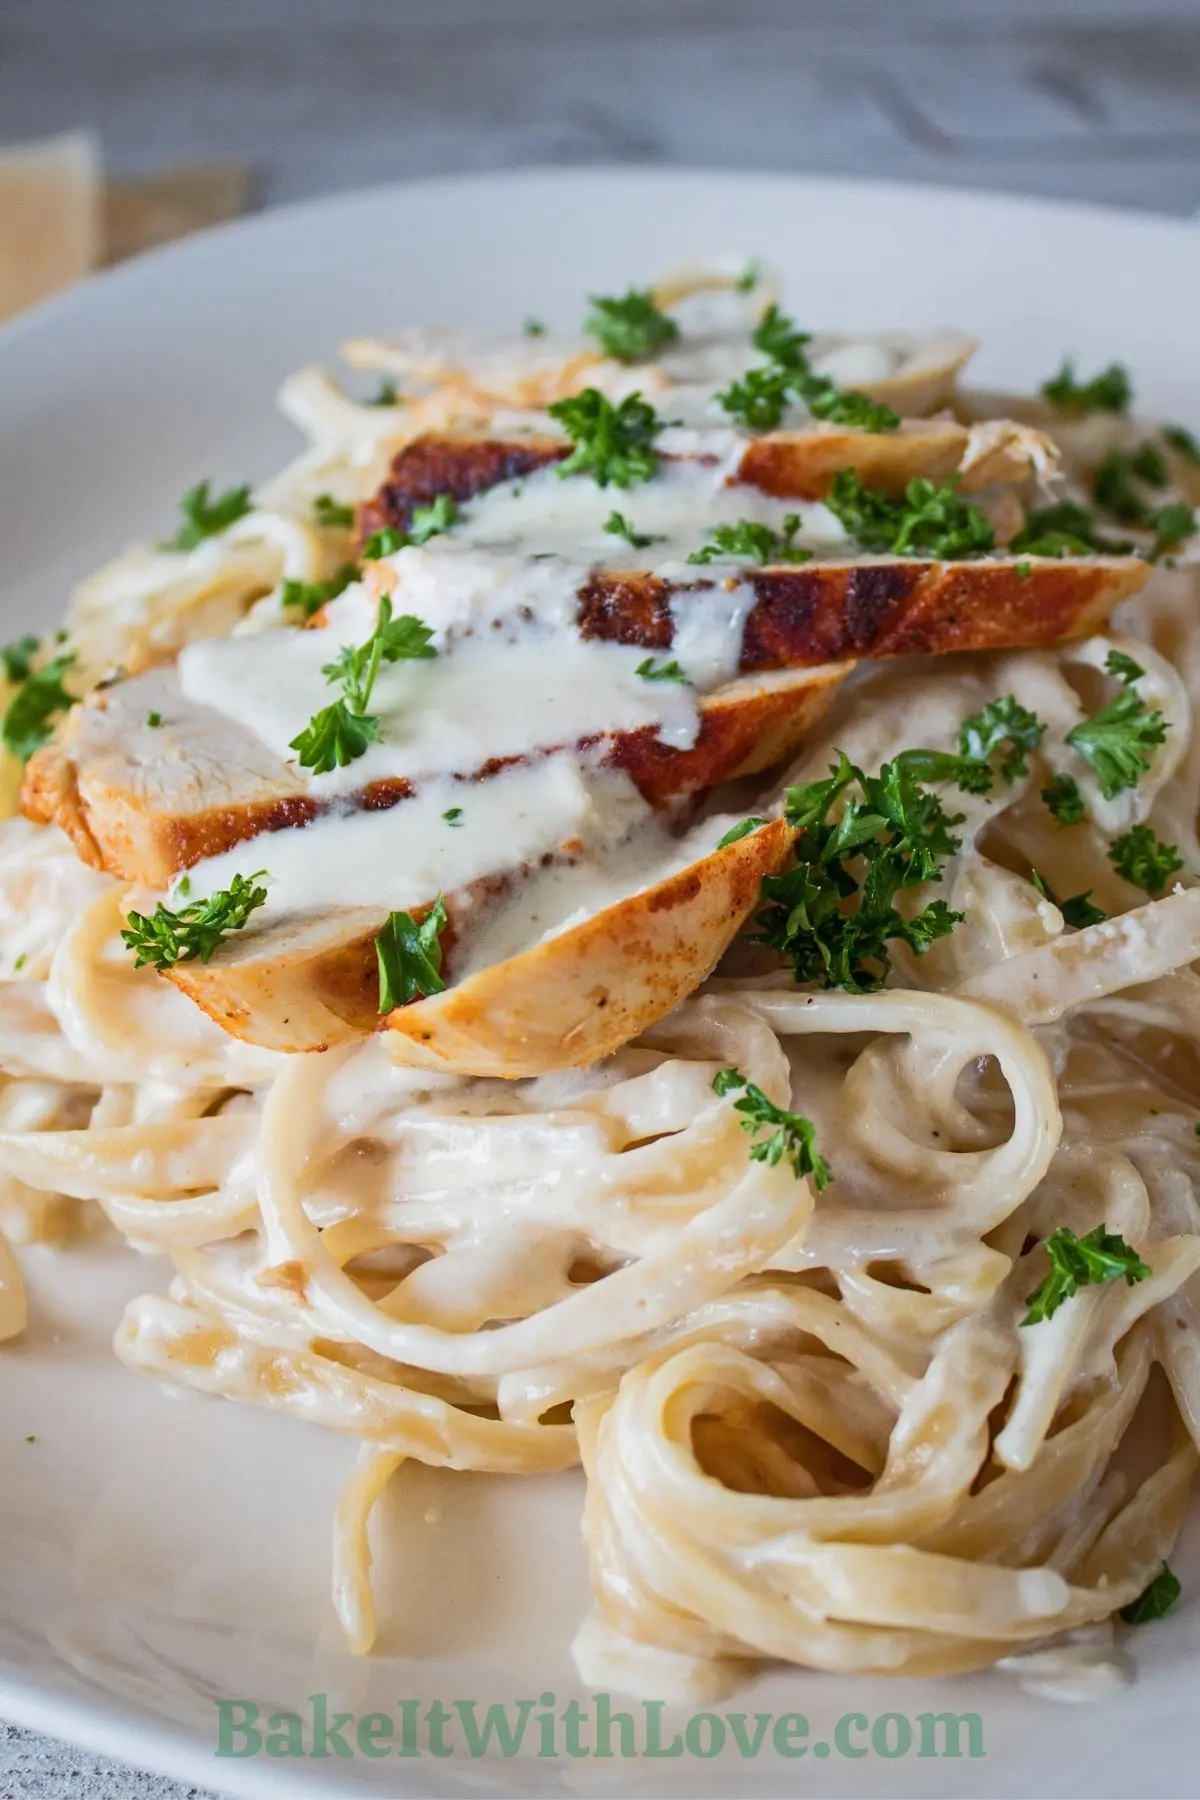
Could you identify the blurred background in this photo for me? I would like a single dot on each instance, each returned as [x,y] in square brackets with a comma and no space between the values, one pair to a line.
[1085,99]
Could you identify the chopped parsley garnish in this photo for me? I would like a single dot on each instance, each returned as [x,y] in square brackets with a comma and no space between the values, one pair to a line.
[426,522]
[1067,529]
[33,711]
[649,670]
[453,815]
[1002,721]
[344,730]
[613,444]
[1118,739]
[1153,1601]
[737,832]
[1140,855]
[760,398]
[749,278]
[1171,524]
[385,394]
[896,835]
[331,514]
[631,327]
[1109,391]
[533,328]
[1077,1262]
[617,525]
[1123,667]
[166,938]
[1113,482]
[154,720]
[1077,909]
[791,1135]
[929,521]
[1064,799]
[310,596]
[410,956]
[1182,442]
[18,656]
[205,517]
[749,541]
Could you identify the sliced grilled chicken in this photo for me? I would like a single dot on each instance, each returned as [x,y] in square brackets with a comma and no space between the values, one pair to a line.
[564,1001]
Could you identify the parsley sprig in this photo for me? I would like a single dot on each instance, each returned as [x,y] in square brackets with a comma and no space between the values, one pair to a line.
[1140,855]
[308,597]
[1110,391]
[426,522]
[1117,490]
[613,444]
[34,710]
[892,834]
[1077,1262]
[1182,442]
[931,520]
[630,328]
[791,1135]
[649,670]
[1118,739]
[761,397]
[749,541]
[18,656]
[206,515]
[410,956]
[343,731]
[165,938]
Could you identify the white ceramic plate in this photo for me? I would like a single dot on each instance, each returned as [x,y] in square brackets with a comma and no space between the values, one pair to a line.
[157,1551]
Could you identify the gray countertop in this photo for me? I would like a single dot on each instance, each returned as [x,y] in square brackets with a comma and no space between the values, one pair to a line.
[1084,99]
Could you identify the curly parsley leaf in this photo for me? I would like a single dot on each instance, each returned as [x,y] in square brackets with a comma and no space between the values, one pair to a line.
[1064,799]
[18,656]
[613,444]
[1123,667]
[749,541]
[1077,1262]
[761,397]
[630,327]
[308,597]
[617,525]
[737,832]
[1077,909]
[410,956]
[1067,529]
[1155,1600]
[892,834]
[1110,391]
[649,670]
[929,521]
[1117,742]
[1002,721]
[205,516]
[334,737]
[1182,442]
[165,938]
[33,711]
[1140,855]
[791,1135]
[426,522]
[331,514]
[1171,524]
[385,394]
[1115,482]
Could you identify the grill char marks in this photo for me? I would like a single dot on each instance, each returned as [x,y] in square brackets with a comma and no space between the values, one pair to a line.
[460,467]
